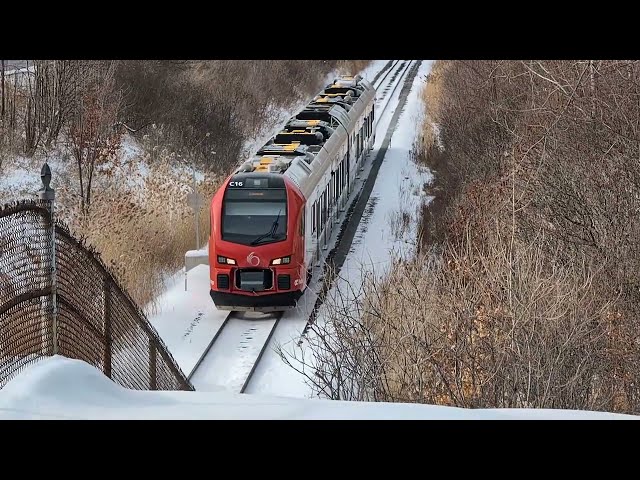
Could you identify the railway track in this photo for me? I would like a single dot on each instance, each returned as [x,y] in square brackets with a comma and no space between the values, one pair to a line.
[387,68]
[400,73]
[234,352]
[396,69]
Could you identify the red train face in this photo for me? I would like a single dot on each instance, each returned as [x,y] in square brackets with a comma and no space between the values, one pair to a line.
[256,250]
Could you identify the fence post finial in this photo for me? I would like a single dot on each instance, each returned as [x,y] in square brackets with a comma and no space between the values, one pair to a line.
[46,192]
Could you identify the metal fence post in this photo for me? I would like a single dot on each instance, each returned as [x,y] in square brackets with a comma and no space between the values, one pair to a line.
[153,378]
[107,327]
[48,194]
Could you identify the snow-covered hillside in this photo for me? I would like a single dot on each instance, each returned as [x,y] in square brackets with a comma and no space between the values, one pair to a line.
[62,388]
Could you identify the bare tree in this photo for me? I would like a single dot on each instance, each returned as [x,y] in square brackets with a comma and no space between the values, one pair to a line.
[2,88]
[51,91]
[92,126]
[545,151]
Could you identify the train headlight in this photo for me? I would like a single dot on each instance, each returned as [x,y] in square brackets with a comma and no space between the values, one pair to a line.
[225,260]
[281,261]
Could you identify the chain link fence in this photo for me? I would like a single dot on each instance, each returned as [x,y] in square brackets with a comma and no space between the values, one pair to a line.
[80,312]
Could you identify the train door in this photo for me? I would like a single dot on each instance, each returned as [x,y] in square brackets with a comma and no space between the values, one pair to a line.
[323,217]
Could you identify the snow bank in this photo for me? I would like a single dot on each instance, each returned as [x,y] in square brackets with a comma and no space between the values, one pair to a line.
[62,388]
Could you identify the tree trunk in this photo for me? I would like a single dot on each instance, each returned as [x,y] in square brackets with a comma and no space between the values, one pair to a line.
[592,85]
[2,87]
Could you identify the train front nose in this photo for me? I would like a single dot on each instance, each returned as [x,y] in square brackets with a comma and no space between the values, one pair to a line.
[256,245]
[256,288]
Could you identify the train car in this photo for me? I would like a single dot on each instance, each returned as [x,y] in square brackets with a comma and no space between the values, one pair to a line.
[272,217]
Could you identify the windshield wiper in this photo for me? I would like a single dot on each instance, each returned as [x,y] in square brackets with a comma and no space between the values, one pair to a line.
[270,233]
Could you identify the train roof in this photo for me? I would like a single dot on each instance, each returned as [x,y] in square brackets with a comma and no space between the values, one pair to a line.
[304,135]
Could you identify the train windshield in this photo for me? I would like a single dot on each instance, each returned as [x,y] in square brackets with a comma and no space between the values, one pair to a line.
[254,216]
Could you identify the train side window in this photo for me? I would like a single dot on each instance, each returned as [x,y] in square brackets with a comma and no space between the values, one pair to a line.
[302,221]
[344,173]
[313,217]
[325,197]
[346,169]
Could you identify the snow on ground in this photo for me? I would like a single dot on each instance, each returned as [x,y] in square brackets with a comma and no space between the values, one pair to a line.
[373,243]
[62,388]
[399,189]
[187,320]
[388,228]
[373,69]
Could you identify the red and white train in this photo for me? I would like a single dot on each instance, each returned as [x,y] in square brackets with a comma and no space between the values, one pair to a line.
[273,215]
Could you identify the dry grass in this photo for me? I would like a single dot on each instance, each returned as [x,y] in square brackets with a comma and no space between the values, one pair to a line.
[400,222]
[493,329]
[432,96]
[526,291]
[351,67]
[143,238]
[480,328]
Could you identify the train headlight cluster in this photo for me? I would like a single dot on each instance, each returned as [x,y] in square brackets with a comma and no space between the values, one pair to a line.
[225,260]
[281,260]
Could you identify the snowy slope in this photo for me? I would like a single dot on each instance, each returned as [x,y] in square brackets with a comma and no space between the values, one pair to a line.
[61,388]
